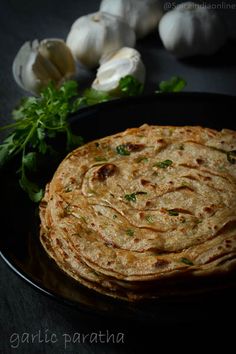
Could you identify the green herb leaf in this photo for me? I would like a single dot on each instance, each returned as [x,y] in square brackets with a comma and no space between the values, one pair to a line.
[121,150]
[29,161]
[175,84]
[130,232]
[100,158]
[37,120]
[173,212]
[130,86]
[186,261]
[7,149]
[163,164]
[92,96]
[131,197]
[34,192]
[68,189]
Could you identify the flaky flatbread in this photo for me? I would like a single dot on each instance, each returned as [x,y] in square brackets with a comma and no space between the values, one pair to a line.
[135,214]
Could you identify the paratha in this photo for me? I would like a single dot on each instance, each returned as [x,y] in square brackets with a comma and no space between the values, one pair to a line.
[144,213]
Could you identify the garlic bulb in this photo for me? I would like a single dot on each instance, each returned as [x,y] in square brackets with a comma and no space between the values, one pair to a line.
[97,35]
[126,61]
[38,63]
[142,15]
[191,29]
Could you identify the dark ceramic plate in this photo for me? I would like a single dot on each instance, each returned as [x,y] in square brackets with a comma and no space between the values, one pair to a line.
[19,241]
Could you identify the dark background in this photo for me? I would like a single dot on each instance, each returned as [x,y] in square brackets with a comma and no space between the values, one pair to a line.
[22,308]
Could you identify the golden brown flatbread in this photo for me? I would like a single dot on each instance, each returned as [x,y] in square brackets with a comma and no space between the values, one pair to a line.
[137,214]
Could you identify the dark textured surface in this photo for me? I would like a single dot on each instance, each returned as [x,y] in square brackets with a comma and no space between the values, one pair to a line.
[23,310]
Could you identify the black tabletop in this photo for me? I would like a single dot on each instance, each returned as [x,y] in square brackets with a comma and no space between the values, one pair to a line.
[30,321]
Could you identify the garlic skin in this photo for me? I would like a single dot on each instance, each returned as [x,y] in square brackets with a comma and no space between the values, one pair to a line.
[191,29]
[96,35]
[38,63]
[142,15]
[126,61]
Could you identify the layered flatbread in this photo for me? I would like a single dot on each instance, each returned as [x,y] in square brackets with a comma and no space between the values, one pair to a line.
[145,212]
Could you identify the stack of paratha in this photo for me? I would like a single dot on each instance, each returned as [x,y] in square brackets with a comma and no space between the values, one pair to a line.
[145,212]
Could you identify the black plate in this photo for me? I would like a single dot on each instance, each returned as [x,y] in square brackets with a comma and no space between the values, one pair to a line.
[20,246]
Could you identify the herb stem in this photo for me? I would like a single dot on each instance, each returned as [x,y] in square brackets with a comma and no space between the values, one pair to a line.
[27,139]
[62,126]
[10,126]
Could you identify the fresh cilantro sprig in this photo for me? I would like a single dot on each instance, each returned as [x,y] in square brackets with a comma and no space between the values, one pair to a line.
[175,84]
[92,96]
[130,86]
[37,121]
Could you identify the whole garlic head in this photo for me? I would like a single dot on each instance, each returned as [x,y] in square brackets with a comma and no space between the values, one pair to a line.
[191,29]
[142,15]
[38,63]
[96,35]
[126,61]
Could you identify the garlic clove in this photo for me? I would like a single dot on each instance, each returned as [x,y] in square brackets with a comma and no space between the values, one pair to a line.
[38,63]
[126,61]
[191,29]
[86,40]
[38,73]
[98,34]
[22,56]
[60,55]
[142,15]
